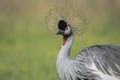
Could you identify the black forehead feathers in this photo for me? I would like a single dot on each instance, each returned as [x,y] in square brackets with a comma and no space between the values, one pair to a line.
[62,25]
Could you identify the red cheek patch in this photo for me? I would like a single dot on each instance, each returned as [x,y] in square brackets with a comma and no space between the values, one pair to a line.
[64,41]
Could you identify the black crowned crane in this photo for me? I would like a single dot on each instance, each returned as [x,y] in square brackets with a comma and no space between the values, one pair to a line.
[99,62]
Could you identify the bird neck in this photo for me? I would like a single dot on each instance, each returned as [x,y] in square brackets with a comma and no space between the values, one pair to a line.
[65,49]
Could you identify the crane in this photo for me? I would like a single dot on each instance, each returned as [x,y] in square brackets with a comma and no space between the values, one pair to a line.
[98,62]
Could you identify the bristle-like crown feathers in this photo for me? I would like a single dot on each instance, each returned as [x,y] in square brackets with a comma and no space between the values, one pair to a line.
[60,18]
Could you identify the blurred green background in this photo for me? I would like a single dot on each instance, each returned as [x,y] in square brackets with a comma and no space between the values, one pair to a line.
[28,50]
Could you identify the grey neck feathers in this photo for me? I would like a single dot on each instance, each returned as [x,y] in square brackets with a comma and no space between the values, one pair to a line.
[64,52]
[64,56]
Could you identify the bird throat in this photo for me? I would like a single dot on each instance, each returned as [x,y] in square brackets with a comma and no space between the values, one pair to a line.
[64,42]
[65,37]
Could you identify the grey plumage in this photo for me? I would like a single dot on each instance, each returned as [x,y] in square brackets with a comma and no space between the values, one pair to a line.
[99,62]
[105,57]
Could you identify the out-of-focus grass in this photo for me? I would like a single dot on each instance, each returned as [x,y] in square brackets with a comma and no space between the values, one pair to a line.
[27,52]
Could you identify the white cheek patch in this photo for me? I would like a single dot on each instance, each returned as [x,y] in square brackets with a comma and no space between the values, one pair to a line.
[67,30]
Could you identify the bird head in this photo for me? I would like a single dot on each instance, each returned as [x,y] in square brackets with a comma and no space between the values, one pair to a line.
[64,29]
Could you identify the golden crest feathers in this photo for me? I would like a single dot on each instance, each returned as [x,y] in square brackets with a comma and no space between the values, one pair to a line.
[72,17]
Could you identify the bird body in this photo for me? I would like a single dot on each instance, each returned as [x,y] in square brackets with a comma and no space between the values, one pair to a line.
[99,62]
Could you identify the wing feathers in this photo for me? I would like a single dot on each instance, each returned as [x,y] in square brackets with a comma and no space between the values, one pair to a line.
[102,58]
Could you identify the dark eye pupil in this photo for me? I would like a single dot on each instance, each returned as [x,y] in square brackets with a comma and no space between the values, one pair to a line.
[62,25]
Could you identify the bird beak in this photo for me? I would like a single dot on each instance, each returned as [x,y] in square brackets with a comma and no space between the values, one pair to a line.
[60,32]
